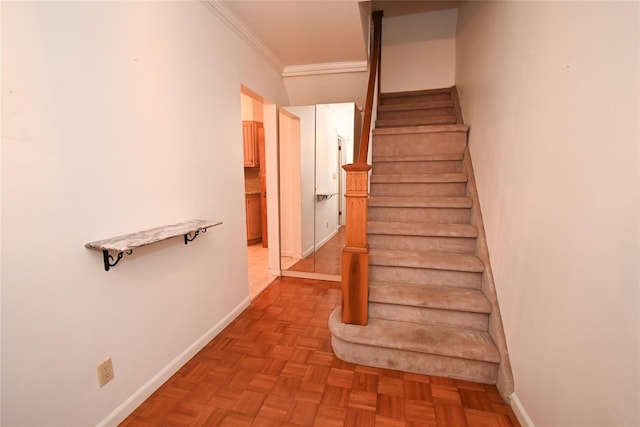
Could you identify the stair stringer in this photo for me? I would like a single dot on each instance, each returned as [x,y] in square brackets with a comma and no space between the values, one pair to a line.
[504,380]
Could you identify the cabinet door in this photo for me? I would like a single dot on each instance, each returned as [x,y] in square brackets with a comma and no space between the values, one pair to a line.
[249,145]
[254,221]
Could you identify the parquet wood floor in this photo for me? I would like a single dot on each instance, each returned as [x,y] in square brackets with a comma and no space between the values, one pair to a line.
[273,366]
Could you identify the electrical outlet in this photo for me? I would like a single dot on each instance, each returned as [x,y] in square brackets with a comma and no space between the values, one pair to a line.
[105,372]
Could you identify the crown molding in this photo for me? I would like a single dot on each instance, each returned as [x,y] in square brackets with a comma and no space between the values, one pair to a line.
[237,26]
[324,68]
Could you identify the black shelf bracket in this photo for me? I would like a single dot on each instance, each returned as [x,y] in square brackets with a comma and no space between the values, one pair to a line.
[108,258]
[195,234]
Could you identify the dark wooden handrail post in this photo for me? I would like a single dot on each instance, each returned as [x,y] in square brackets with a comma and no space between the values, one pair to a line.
[355,255]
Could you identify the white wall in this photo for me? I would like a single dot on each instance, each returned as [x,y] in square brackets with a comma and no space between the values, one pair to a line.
[327,174]
[550,90]
[116,117]
[328,88]
[419,51]
[345,122]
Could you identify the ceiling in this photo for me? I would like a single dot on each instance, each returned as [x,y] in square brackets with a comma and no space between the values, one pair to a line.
[306,32]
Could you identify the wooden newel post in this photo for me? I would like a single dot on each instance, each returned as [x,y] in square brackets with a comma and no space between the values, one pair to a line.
[355,255]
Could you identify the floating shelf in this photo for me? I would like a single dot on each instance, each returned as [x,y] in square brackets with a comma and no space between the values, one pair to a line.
[128,242]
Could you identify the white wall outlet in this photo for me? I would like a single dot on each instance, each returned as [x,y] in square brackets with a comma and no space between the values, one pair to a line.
[105,372]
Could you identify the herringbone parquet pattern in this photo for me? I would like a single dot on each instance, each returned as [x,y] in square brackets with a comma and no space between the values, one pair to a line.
[273,366]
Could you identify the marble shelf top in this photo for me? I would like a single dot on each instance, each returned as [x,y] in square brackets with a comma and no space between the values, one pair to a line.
[131,241]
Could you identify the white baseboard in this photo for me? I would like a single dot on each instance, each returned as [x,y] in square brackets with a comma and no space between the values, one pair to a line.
[275,271]
[129,405]
[521,413]
[307,252]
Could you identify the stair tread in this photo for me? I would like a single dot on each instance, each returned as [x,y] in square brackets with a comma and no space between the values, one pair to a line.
[429,339]
[422,229]
[417,121]
[420,202]
[415,106]
[418,178]
[418,158]
[399,130]
[429,296]
[429,260]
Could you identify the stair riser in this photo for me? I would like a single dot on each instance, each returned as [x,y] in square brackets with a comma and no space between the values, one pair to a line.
[420,363]
[438,215]
[415,113]
[415,144]
[415,99]
[385,168]
[431,316]
[422,276]
[456,189]
[421,121]
[458,245]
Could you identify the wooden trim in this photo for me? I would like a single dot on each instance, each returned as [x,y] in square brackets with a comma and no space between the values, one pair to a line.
[288,114]
[355,289]
[324,68]
[373,73]
[355,254]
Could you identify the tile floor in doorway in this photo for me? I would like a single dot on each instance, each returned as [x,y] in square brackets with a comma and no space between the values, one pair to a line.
[258,263]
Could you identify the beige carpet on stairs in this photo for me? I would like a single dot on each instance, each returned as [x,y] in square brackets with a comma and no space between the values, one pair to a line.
[428,304]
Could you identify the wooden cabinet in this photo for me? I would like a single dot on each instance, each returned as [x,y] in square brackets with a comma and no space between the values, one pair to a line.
[254,218]
[250,144]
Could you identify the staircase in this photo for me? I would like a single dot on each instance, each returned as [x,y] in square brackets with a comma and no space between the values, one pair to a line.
[430,303]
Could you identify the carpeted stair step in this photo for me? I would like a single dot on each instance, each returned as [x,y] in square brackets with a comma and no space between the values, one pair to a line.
[419,236]
[426,260]
[437,163]
[423,158]
[418,106]
[422,229]
[417,121]
[456,210]
[421,110]
[420,140]
[414,97]
[427,349]
[429,296]
[423,178]
[440,305]
[421,202]
[429,316]
[436,184]
[425,268]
